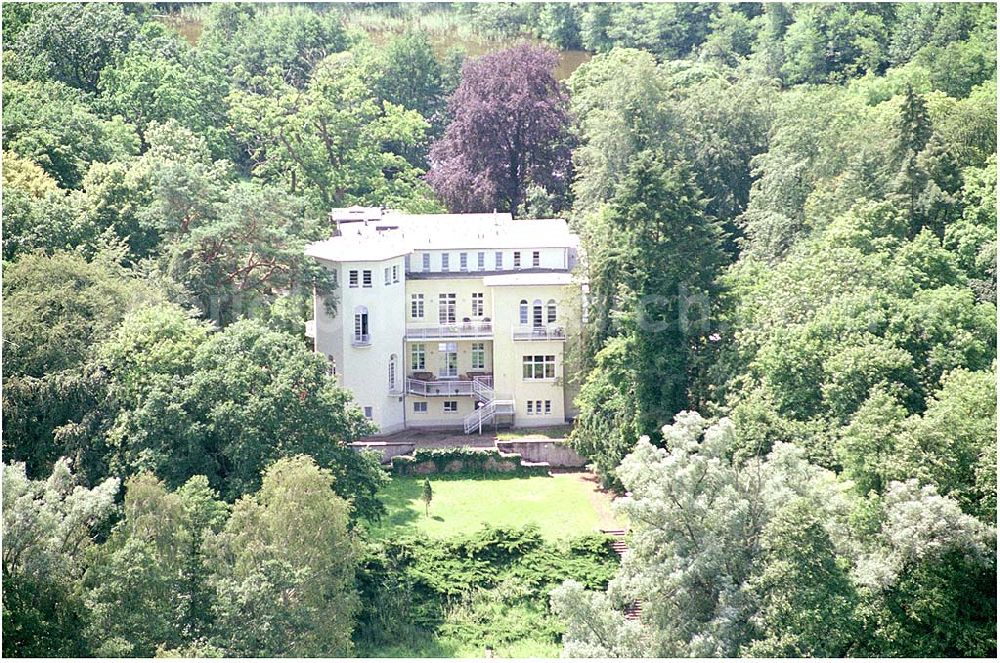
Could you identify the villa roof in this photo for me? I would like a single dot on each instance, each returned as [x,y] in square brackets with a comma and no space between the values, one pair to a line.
[394,234]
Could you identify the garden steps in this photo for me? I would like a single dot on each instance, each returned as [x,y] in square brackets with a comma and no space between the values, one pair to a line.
[633,611]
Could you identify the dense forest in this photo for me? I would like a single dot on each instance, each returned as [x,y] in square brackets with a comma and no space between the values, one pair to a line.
[787,367]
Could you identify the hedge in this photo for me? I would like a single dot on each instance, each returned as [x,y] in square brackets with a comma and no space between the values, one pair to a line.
[473,461]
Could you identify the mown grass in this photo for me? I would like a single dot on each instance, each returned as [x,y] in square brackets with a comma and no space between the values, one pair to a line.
[561,505]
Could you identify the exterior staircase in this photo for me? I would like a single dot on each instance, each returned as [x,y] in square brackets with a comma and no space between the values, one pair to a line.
[633,611]
[490,407]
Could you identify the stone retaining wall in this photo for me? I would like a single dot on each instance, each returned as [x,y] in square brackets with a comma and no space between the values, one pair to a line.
[389,450]
[543,451]
[551,452]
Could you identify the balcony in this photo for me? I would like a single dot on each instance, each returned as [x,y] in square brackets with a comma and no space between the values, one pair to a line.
[477,386]
[551,333]
[439,387]
[455,330]
[361,340]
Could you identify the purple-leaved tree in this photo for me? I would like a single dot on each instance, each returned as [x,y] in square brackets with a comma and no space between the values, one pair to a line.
[509,130]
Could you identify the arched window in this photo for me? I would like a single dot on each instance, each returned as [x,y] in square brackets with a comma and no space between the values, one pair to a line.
[524,311]
[392,372]
[536,317]
[551,317]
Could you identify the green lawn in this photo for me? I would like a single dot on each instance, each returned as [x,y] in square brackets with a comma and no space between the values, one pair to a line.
[561,505]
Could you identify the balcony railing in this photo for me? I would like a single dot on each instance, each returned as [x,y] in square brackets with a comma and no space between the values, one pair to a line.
[451,330]
[553,333]
[361,340]
[480,386]
[440,387]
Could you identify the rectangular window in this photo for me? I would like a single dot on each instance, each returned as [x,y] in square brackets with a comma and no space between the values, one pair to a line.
[416,307]
[395,273]
[387,281]
[420,407]
[538,367]
[531,407]
[449,360]
[418,357]
[481,261]
[517,259]
[498,260]
[427,262]
[478,356]
[446,308]
[366,278]
[451,406]
[477,303]
[548,407]
[352,278]
[368,412]
[463,261]
[444,262]
[538,407]
[536,259]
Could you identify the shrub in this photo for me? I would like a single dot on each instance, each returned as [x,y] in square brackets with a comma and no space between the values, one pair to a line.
[463,460]
[476,587]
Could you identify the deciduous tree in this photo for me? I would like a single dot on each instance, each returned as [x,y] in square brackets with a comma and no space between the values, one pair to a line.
[508,130]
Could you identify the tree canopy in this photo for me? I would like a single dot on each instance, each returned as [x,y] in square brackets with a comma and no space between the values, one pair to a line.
[787,221]
[507,131]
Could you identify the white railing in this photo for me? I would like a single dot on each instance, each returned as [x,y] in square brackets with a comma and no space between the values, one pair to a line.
[539,333]
[482,387]
[483,415]
[440,387]
[451,330]
[486,414]
[362,340]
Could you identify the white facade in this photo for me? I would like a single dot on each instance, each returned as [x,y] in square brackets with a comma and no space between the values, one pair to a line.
[449,320]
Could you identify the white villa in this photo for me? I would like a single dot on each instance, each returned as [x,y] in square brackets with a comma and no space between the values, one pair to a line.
[449,320]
